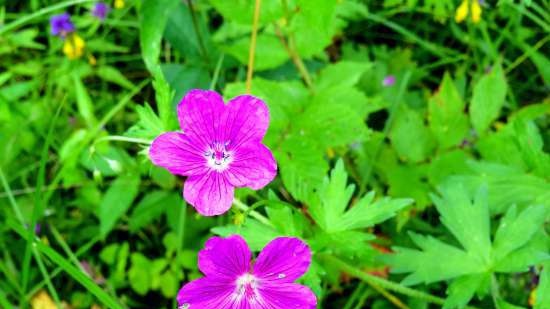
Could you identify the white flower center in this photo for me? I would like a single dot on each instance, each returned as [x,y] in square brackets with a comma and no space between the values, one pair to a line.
[247,286]
[218,157]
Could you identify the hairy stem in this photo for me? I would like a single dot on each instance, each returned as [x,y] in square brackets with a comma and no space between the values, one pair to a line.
[252,49]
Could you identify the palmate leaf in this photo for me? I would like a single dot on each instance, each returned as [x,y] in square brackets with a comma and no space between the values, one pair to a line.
[328,206]
[519,242]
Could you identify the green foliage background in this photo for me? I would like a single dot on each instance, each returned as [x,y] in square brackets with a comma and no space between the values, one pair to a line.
[430,192]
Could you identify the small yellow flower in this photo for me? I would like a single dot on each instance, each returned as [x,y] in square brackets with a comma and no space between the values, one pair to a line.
[73,47]
[461,12]
[463,9]
[476,11]
[119,4]
[42,301]
[92,60]
[330,153]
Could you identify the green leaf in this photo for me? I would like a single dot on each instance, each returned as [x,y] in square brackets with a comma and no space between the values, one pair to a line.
[242,11]
[113,75]
[516,230]
[467,219]
[448,122]
[138,275]
[432,263]
[256,234]
[148,126]
[151,207]
[487,99]
[181,33]
[270,52]
[153,17]
[302,166]
[170,284]
[84,102]
[542,296]
[463,289]
[117,200]
[412,140]
[314,26]
[328,208]
[343,73]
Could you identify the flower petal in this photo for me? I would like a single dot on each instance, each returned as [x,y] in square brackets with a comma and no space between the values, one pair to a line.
[199,114]
[287,295]
[245,120]
[206,293]
[211,194]
[283,260]
[225,257]
[178,153]
[252,166]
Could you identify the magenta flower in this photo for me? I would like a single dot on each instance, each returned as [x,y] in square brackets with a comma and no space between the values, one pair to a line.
[220,149]
[61,24]
[232,282]
[388,81]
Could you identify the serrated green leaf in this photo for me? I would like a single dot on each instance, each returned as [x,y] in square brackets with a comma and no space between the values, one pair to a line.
[314,26]
[302,166]
[270,52]
[463,289]
[343,73]
[242,11]
[412,140]
[487,99]
[448,122]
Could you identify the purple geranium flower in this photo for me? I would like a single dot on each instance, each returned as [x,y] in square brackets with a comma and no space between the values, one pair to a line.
[61,24]
[100,10]
[232,282]
[388,81]
[220,148]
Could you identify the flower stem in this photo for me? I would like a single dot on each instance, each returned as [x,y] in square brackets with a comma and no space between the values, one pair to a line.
[197,30]
[290,48]
[380,282]
[252,49]
[256,215]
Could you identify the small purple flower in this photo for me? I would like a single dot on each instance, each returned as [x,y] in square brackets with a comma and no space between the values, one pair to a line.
[388,81]
[100,10]
[61,24]
[220,149]
[231,281]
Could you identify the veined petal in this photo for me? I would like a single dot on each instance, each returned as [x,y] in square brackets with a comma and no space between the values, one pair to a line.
[245,120]
[206,293]
[225,257]
[283,260]
[253,166]
[287,295]
[178,154]
[199,115]
[211,194]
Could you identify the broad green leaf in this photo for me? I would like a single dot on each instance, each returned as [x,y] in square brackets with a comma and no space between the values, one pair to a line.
[534,252]
[117,200]
[448,122]
[412,140]
[302,166]
[170,284]
[487,99]
[343,73]
[517,229]
[313,26]
[431,264]
[542,296]
[84,102]
[256,234]
[181,33]
[113,75]
[328,207]
[463,289]
[148,126]
[242,11]
[151,207]
[138,275]
[183,78]
[153,17]
[270,52]
[408,181]
[466,218]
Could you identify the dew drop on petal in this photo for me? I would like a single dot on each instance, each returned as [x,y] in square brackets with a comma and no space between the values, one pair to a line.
[281,276]
[185,306]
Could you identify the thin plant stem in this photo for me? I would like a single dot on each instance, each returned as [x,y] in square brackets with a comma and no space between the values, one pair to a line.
[217,72]
[381,282]
[24,19]
[528,52]
[202,47]
[252,49]
[46,276]
[256,215]
[298,63]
